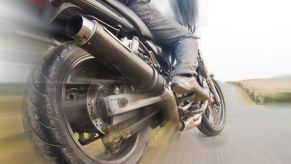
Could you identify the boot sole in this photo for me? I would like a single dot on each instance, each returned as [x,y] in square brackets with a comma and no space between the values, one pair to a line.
[200,93]
[179,90]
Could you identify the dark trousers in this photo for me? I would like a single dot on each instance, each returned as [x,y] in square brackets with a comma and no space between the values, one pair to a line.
[170,33]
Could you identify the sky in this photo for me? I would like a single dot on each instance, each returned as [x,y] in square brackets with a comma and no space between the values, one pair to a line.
[243,39]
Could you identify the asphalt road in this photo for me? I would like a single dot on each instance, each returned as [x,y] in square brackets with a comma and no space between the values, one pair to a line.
[253,134]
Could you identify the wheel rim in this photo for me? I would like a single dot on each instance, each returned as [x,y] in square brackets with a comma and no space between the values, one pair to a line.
[215,113]
[71,102]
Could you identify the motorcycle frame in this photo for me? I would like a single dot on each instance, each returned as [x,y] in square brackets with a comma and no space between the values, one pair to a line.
[68,10]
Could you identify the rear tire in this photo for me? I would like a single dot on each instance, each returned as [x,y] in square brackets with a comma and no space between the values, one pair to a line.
[44,122]
[208,128]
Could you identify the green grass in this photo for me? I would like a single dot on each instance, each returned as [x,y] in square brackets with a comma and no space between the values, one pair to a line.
[263,91]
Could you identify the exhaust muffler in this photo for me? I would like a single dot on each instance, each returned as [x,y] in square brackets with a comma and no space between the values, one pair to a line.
[98,41]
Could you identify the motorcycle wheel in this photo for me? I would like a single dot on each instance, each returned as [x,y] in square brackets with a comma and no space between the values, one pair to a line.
[47,122]
[213,119]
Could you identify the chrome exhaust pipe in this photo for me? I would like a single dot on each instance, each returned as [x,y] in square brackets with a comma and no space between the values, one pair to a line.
[100,42]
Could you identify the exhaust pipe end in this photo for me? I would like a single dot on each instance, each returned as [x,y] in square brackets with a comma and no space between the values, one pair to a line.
[80,28]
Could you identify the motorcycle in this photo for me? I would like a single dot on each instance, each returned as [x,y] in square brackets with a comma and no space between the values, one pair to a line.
[94,97]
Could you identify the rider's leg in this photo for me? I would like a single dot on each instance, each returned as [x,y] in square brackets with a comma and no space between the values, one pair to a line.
[170,33]
[186,53]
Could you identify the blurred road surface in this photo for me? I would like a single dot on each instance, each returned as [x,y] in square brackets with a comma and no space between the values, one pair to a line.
[253,134]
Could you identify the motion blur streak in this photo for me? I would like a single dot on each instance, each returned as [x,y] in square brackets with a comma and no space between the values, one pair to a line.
[253,134]
[22,41]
